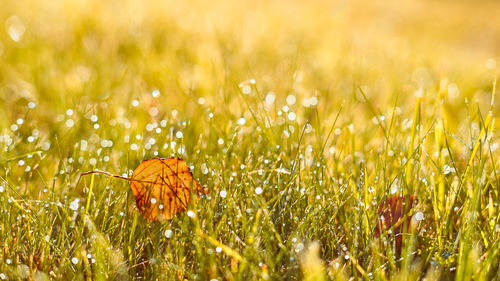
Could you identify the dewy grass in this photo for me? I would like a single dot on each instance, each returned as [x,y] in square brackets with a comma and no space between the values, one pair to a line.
[299,118]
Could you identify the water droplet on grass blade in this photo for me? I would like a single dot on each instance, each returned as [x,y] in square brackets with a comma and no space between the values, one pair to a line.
[223,194]
[70,123]
[15,28]
[419,216]
[74,205]
[447,170]
[491,63]
[270,98]
[246,89]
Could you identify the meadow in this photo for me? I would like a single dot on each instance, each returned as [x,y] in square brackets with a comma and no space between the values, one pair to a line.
[298,117]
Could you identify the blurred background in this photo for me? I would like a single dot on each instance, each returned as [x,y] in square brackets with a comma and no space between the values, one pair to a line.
[62,54]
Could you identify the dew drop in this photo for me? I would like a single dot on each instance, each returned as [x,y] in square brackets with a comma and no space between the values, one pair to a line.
[242,121]
[270,98]
[223,194]
[70,123]
[246,89]
[491,63]
[74,205]
[419,216]
[313,101]
[15,28]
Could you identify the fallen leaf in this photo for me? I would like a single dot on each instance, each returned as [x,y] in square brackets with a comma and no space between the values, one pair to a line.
[162,187]
[391,217]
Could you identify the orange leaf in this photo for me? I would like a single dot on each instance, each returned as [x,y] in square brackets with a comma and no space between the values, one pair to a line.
[162,187]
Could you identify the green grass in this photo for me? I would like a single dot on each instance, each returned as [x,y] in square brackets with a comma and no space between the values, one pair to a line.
[327,109]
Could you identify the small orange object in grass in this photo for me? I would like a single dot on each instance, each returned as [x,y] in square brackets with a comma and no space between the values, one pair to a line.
[161,187]
[391,216]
